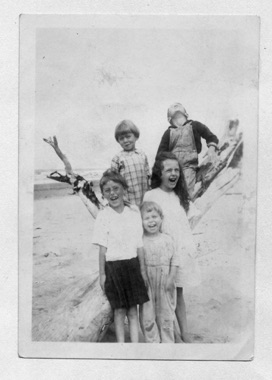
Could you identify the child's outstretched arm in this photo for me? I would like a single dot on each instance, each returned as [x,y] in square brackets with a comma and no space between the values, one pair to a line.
[140,254]
[102,261]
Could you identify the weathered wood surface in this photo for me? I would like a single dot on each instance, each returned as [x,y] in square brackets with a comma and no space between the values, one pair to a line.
[94,202]
[213,180]
[229,146]
[82,312]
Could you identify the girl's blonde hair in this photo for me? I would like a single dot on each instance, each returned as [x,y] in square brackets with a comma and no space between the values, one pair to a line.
[151,206]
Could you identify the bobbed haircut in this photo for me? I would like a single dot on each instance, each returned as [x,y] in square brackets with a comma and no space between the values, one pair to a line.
[180,188]
[126,126]
[114,176]
[151,206]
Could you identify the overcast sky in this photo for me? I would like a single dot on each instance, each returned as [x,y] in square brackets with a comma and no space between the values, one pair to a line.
[89,79]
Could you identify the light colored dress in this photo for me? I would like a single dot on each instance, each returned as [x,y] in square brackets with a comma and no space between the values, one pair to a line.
[176,224]
[157,315]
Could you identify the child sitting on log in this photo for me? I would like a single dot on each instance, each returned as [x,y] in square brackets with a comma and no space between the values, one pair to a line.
[131,162]
[161,261]
[183,138]
[118,232]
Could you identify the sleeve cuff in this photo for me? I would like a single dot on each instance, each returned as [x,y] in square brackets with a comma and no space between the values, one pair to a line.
[213,144]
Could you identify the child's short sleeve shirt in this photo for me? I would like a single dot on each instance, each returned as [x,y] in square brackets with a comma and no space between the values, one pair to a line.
[121,233]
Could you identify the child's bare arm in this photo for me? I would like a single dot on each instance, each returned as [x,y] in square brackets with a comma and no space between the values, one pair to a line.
[140,254]
[102,261]
[174,264]
[170,283]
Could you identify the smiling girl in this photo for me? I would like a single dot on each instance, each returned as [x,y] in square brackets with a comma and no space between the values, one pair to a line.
[170,192]
[161,261]
[118,233]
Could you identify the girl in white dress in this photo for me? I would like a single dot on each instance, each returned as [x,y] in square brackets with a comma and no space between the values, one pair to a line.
[170,192]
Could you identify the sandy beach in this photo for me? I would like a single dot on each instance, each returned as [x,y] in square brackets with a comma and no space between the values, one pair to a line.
[219,309]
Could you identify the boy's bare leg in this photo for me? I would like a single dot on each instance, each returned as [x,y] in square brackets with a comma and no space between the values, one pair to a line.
[181,316]
[132,315]
[119,323]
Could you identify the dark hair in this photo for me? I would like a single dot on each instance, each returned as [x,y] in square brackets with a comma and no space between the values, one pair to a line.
[126,126]
[181,187]
[112,175]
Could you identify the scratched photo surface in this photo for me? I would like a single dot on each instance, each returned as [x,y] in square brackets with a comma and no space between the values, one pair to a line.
[79,77]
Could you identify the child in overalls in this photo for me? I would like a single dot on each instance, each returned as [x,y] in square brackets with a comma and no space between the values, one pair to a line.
[183,138]
[161,262]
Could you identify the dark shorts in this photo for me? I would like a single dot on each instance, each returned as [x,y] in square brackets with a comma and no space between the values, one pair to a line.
[124,286]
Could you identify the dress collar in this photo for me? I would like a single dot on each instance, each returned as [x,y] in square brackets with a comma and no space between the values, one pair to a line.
[136,150]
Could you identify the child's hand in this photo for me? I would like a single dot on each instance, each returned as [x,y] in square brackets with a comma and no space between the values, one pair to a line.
[170,284]
[212,154]
[145,278]
[102,282]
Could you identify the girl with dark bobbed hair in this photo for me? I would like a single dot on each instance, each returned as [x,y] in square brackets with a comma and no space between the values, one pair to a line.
[170,192]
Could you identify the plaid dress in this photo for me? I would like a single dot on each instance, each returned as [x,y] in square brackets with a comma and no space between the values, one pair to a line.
[133,166]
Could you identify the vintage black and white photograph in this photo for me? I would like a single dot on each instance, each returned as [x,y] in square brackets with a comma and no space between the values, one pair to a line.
[137,180]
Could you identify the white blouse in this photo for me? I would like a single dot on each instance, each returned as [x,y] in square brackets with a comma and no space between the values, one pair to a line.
[121,233]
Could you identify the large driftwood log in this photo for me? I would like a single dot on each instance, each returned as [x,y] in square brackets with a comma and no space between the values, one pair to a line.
[80,313]
[214,180]
[94,202]
[229,149]
[83,312]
